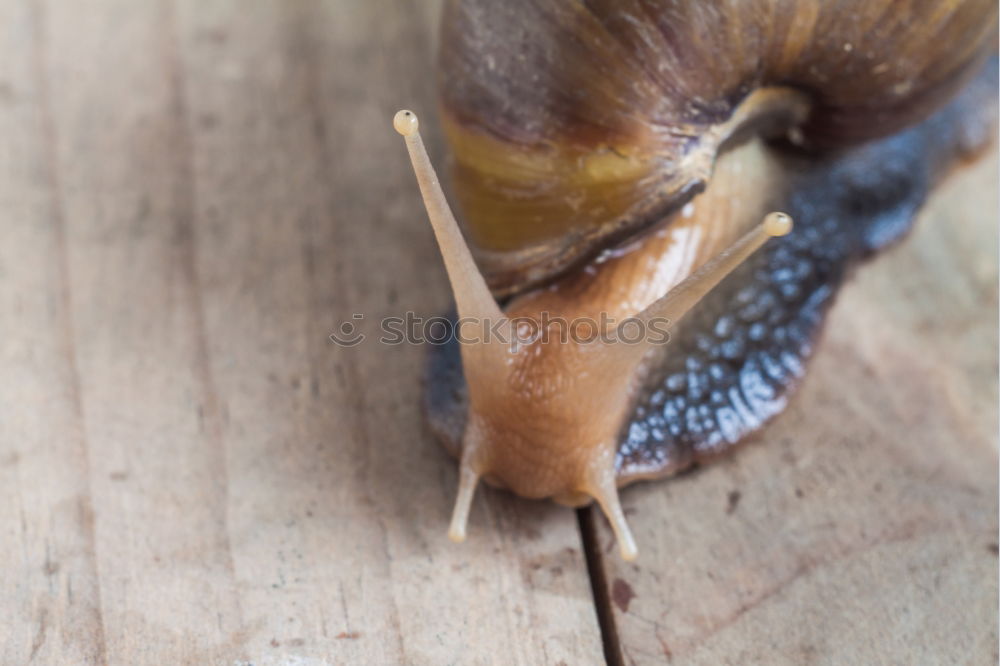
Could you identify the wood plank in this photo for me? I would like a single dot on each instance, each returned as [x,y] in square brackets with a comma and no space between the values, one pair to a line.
[50,606]
[191,473]
[863,521]
[167,589]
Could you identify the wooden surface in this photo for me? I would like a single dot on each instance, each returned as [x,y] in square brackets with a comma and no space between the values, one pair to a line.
[194,194]
[860,527]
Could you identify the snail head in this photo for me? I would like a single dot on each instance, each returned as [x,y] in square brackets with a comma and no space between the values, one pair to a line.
[545,410]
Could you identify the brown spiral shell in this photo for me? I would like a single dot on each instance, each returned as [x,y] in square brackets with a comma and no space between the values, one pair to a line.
[575,125]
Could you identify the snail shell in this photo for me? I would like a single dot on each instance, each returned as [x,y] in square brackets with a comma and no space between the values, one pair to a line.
[575,125]
[586,128]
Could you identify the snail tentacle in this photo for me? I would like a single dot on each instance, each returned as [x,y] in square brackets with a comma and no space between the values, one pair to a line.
[678,301]
[605,491]
[472,296]
[468,479]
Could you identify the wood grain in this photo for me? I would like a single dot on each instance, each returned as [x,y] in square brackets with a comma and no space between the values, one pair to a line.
[194,196]
[861,525]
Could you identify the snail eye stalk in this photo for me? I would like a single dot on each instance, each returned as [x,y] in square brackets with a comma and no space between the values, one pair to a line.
[619,359]
[485,361]
[472,296]
[678,301]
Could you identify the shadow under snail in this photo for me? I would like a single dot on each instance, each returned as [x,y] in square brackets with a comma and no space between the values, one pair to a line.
[622,162]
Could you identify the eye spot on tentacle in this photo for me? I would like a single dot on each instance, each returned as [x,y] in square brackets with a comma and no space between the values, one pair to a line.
[405,122]
[777,224]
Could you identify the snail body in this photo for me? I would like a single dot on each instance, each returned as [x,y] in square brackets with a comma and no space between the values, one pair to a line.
[578,186]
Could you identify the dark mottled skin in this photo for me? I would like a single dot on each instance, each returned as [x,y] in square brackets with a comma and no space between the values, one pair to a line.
[736,357]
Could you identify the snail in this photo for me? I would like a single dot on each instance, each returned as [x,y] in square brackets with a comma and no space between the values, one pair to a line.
[636,165]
